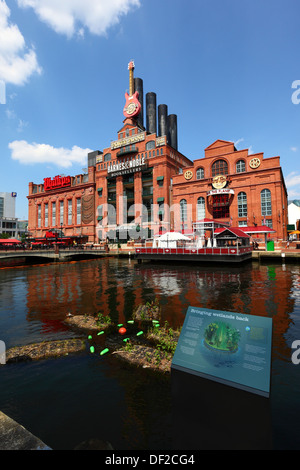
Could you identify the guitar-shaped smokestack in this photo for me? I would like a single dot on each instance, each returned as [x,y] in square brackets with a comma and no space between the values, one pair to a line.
[132,106]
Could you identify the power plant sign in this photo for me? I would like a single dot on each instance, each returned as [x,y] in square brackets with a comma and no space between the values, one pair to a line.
[128,140]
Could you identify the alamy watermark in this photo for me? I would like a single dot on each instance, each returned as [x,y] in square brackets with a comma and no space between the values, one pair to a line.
[296,354]
[2,353]
[138,218]
[296,94]
[2,92]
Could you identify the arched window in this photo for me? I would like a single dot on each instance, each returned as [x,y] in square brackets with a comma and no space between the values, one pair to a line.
[200,208]
[150,145]
[240,166]
[266,204]
[220,167]
[107,157]
[200,173]
[183,210]
[242,204]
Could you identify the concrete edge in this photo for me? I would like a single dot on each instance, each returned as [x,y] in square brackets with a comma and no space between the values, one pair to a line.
[13,436]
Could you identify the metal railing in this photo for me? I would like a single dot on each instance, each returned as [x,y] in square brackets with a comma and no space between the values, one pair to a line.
[194,251]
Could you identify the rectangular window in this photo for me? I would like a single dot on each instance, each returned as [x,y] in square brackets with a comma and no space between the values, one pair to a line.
[69,211]
[53,214]
[266,203]
[242,205]
[39,216]
[46,215]
[61,212]
[78,211]
[267,223]
[266,208]
[1,206]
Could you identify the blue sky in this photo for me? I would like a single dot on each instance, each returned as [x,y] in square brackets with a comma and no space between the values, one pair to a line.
[226,68]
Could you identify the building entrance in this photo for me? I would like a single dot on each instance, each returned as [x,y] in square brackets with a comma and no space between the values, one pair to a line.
[220,206]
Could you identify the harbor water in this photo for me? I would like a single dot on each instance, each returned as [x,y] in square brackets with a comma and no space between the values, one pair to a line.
[71,399]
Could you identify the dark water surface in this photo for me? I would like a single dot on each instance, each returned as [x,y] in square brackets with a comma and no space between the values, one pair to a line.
[68,400]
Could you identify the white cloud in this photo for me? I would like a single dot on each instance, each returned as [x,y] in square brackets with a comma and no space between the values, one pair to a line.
[292,179]
[294,149]
[250,150]
[10,113]
[237,142]
[35,153]
[293,194]
[17,61]
[292,182]
[22,125]
[70,17]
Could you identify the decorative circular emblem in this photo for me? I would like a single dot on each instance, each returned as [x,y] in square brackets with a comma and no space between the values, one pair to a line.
[131,108]
[188,174]
[254,163]
[219,181]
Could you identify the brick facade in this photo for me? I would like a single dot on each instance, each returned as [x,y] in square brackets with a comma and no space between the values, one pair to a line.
[69,210]
[133,183]
[254,191]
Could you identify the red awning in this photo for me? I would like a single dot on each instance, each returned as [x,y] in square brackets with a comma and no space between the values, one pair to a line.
[10,240]
[257,229]
[234,230]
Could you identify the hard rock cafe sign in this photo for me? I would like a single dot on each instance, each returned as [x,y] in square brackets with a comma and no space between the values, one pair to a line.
[219,181]
[132,106]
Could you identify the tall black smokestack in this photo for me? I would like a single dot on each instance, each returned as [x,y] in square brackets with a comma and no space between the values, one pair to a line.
[138,86]
[162,120]
[151,112]
[172,136]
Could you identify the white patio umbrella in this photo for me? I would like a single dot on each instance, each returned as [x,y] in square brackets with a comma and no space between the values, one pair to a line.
[172,236]
[170,239]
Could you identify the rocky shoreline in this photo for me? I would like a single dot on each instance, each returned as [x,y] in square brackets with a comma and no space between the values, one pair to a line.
[140,342]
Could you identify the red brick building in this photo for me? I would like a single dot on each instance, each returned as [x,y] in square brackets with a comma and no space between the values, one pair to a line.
[141,185]
[232,186]
[65,205]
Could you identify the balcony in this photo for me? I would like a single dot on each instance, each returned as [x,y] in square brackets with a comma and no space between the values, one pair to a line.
[111,197]
[128,180]
[147,177]
[148,191]
[127,150]
[129,194]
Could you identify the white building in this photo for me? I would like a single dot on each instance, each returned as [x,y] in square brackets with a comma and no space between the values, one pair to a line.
[294,215]
[9,224]
[8,205]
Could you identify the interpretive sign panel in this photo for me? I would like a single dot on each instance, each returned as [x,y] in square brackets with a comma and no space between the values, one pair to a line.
[227,347]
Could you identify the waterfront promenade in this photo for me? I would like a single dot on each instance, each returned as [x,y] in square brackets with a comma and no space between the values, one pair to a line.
[86,251]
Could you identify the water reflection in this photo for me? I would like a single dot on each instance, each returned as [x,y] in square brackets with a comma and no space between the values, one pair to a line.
[35,300]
